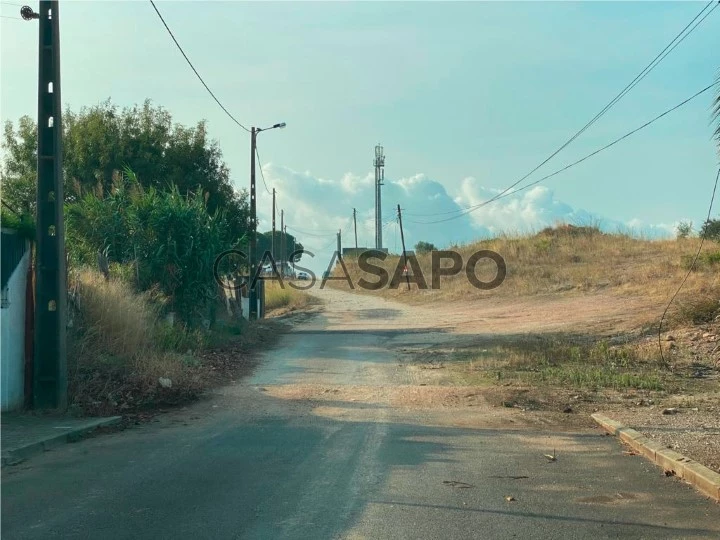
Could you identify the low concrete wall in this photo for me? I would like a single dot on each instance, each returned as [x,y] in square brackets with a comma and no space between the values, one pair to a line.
[12,336]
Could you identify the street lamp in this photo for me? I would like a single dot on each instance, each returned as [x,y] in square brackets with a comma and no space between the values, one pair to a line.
[253,218]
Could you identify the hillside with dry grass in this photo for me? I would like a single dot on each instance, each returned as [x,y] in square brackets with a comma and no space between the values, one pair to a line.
[574,261]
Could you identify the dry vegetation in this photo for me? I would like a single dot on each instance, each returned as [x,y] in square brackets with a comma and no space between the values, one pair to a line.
[122,353]
[576,260]
[284,298]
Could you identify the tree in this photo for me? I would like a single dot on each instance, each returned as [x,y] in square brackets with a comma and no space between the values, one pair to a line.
[18,174]
[264,243]
[100,141]
[424,247]
[711,230]
[683,229]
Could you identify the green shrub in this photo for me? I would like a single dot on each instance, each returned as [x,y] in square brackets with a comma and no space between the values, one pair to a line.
[711,230]
[161,240]
[683,229]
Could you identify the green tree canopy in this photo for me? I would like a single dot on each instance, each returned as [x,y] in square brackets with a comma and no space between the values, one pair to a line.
[424,247]
[100,141]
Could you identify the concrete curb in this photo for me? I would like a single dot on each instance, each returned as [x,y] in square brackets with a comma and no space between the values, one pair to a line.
[703,479]
[18,454]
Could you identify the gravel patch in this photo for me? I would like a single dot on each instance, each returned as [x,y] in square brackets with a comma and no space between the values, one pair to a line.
[692,431]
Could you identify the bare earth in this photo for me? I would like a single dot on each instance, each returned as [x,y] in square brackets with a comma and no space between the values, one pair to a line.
[693,431]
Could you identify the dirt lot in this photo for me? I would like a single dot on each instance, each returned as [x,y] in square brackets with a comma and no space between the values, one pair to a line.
[529,358]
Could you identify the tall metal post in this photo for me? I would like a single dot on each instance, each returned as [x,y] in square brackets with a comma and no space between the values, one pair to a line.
[50,362]
[379,178]
[339,243]
[272,240]
[253,226]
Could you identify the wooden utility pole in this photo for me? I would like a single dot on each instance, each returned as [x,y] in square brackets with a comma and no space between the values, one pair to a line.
[272,241]
[355,226]
[402,239]
[50,361]
[284,244]
[282,241]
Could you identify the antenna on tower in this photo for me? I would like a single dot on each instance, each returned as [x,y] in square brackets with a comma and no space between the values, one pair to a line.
[379,180]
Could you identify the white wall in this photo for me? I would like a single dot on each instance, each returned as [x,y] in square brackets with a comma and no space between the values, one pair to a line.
[12,340]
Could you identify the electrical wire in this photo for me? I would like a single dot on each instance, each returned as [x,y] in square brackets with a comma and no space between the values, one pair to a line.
[679,38]
[193,68]
[613,143]
[312,233]
[262,174]
[692,267]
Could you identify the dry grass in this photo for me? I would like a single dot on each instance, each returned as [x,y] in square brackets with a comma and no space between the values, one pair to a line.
[284,297]
[575,260]
[557,362]
[118,349]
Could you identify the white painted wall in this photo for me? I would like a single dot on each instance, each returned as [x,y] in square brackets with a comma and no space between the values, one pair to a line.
[12,340]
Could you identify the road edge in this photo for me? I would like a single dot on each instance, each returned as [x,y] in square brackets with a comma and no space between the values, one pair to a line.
[699,476]
[18,454]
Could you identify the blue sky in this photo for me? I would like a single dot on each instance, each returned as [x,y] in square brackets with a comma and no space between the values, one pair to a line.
[465,97]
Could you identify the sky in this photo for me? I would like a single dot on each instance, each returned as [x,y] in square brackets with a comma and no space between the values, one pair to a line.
[466,98]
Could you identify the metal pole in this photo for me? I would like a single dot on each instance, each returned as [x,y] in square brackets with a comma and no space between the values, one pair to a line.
[253,226]
[50,369]
[272,241]
[284,245]
[379,177]
[339,243]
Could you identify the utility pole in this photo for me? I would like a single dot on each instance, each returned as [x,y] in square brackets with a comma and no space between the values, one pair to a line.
[284,244]
[402,239]
[253,227]
[379,179]
[339,243]
[253,218]
[50,361]
[355,226]
[272,241]
[282,241]
[293,258]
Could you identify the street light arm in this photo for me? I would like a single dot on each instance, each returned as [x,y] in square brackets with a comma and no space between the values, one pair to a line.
[280,125]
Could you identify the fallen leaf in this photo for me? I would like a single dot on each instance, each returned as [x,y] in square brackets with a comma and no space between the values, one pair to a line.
[510,498]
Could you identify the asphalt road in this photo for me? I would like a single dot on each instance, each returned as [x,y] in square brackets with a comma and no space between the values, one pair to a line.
[328,440]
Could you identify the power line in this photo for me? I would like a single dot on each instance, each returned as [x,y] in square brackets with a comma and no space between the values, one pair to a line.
[692,267]
[679,38]
[195,70]
[613,143]
[8,17]
[262,174]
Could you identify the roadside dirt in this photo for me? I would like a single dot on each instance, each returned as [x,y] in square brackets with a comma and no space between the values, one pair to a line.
[423,337]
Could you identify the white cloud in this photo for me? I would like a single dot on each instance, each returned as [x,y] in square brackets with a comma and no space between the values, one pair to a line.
[316,207]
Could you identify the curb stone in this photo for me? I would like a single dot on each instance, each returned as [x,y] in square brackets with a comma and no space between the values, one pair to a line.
[18,454]
[700,477]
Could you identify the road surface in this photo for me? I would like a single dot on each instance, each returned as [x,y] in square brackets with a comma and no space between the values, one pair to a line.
[333,437]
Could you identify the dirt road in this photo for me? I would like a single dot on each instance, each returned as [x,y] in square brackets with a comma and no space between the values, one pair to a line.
[334,437]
